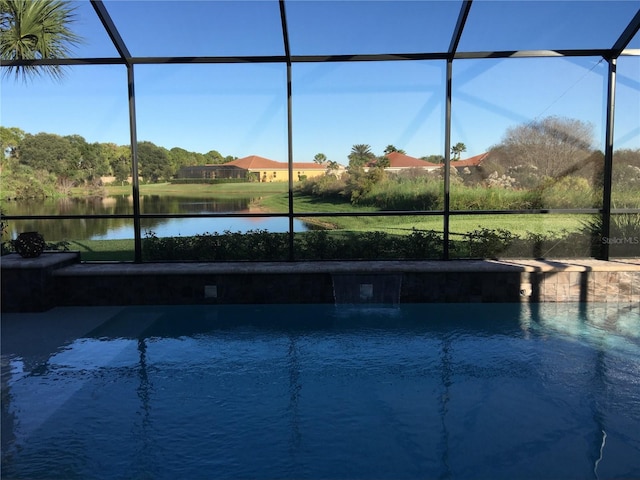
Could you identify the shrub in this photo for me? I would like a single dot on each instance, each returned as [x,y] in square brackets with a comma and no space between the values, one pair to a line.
[482,198]
[319,245]
[253,245]
[396,193]
[420,244]
[566,192]
[624,234]
[626,177]
[316,245]
[5,242]
[359,183]
[488,243]
[325,186]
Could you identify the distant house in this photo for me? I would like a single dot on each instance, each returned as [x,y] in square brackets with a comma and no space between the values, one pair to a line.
[221,171]
[469,162]
[400,161]
[260,168]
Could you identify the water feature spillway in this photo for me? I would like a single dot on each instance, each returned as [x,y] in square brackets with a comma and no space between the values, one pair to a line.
[360,288]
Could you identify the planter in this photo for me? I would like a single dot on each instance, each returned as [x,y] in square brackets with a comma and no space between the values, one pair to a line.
[29,244]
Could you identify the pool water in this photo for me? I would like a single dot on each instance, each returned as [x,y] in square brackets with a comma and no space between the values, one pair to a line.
[322,392]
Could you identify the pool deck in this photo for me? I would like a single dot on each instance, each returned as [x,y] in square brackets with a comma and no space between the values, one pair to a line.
[60,279]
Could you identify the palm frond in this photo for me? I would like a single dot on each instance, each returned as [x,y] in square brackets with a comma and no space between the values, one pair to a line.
[34,30]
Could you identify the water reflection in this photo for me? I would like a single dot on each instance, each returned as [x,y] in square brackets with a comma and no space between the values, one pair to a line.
[119,228]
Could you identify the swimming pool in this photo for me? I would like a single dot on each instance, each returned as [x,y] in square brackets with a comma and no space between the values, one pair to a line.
[320,391]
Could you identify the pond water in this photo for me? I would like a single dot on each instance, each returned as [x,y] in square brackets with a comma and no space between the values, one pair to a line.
[119,228]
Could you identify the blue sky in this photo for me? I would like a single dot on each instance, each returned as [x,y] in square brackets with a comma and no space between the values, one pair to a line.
[240,109]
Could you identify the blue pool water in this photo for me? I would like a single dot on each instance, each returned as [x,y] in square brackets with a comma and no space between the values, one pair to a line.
[322,392]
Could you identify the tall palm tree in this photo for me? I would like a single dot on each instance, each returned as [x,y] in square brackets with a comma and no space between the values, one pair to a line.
[392,148]
[36,29]
[457,149]
[360,155]
[320,158]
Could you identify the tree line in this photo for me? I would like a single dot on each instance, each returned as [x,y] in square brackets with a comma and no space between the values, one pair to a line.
[42,163]
[46,164]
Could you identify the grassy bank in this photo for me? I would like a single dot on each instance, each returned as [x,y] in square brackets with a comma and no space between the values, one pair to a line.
[519,224]
[199,189]
[103,250]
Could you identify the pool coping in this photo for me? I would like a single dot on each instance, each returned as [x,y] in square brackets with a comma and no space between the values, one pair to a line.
[68,263]
[389,266]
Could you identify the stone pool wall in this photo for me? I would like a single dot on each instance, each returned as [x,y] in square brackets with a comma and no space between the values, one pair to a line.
[60,279]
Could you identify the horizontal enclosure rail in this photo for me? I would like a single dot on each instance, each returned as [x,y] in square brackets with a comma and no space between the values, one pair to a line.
[606,53]
[380,213]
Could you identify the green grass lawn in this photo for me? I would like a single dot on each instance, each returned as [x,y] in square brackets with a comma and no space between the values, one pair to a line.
[518,224]
[201,189]
[103,250]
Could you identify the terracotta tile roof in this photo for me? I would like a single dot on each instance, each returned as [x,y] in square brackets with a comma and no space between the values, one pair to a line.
[254,162]
[308,166]
[470,162]
[400,160]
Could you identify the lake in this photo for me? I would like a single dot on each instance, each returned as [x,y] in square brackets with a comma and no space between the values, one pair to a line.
[119,228]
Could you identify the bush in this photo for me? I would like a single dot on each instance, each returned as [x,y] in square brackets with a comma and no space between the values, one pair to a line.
[23,182]
[482,198]
[626,177]
[359,183]
[253,245]
[488,243]
[624,234]
[567,192]
[421,245]
[261,245]
[316,245]
[420,193]
[5,241]
[325,186]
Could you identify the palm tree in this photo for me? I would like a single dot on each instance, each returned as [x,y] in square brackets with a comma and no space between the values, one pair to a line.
[320,158]
[457,149]
[36,29]
[392,148]
[360,155]
[333,165]
[382,162]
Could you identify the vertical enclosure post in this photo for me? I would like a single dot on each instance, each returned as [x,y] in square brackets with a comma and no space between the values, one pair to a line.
[290,158]
[465,8]
[124,53]
[447,158]
[608,160]
[134,165]
[287,51]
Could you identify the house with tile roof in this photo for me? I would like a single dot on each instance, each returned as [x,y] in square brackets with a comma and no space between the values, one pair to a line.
[401,161]
[474,161]
[260,168]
